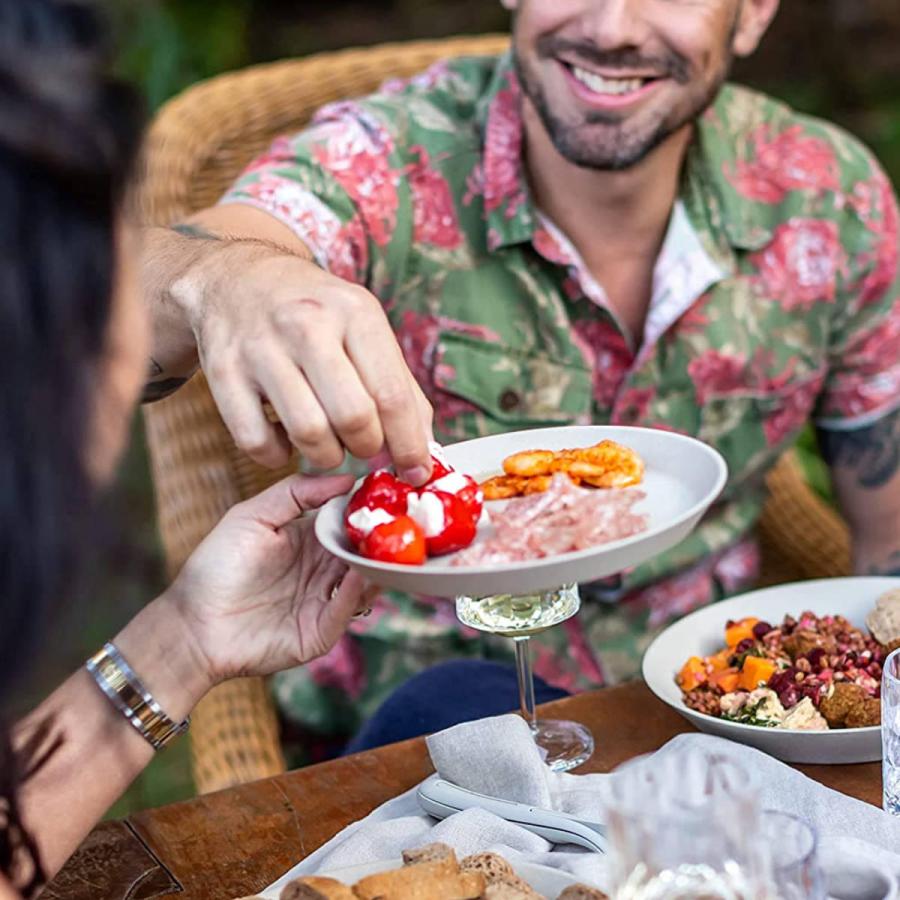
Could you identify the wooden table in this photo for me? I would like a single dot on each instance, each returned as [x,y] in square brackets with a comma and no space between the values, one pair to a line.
[235,842]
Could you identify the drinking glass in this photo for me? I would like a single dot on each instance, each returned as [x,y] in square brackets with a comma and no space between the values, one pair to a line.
[564,745]
[684,824]
[890,732]
[795,873]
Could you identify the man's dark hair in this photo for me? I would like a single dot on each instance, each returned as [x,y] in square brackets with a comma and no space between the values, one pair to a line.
[69,137]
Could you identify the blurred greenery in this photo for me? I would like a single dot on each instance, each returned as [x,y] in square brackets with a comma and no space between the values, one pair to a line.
[165,46]
[834,58]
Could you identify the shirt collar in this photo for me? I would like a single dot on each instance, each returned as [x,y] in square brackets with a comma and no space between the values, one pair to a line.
[725,221]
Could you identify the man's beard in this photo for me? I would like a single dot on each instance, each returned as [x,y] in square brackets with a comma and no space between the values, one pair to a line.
[619,147]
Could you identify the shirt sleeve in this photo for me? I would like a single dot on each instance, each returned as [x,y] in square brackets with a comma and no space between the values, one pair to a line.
[863,382]
[334,185]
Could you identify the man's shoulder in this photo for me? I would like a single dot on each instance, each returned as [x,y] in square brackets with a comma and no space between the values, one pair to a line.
[770,151]
[439,106]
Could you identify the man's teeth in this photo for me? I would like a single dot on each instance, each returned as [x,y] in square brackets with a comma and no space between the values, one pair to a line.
[600,85]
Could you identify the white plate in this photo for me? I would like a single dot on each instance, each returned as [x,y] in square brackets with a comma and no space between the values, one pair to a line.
[702,633]
[546,881]
[683,477]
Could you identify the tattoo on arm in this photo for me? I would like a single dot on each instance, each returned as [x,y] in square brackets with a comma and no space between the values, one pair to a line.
[873,453]
[890,566]
[195,232]
[158,385]
[198,233]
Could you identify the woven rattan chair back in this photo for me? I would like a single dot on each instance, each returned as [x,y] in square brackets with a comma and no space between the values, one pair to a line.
[197,145]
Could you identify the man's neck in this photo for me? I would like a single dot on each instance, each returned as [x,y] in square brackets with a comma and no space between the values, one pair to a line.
[616,220]
[615,210]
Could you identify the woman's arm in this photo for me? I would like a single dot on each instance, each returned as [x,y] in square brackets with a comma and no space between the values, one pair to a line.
[258,595]
[85,751]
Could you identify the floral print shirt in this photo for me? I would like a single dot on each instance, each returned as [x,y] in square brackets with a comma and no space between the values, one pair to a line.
[776,299]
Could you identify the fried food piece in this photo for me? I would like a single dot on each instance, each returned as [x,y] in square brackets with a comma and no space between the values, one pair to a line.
[606,465]
[536,485]
[865,715]
[803,640]
[529,463]
[849,706]
[839,702]
[502,487]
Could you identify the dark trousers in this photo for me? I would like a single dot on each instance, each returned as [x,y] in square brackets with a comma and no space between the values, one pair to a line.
[445,695]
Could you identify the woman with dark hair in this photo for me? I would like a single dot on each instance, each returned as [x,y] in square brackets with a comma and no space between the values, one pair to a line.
[258,595]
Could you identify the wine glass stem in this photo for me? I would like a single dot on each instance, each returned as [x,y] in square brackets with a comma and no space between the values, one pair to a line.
[526,680]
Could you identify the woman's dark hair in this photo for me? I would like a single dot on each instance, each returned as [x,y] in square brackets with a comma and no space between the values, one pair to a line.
[69,136]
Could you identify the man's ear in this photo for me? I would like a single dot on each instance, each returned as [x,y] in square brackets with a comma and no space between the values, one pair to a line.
[754,18]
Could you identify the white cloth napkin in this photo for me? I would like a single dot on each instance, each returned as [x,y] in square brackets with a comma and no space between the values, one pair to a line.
[498,757]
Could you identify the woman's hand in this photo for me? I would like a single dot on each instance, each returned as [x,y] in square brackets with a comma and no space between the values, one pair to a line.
[260,594]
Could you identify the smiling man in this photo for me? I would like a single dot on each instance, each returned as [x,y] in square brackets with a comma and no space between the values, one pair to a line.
[592,227]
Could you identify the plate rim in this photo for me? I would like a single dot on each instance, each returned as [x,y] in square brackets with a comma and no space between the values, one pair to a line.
[838,735]
[537,565]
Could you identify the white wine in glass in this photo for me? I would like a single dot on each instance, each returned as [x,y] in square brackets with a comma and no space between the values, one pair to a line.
[564,744]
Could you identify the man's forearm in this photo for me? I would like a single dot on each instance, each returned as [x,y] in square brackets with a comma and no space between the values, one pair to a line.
[865,468]
[182,267]
[169,255]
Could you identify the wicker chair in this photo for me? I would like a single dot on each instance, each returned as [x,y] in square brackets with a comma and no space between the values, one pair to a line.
[197,145]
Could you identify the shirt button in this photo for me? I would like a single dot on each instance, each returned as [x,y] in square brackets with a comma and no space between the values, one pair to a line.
[510,400]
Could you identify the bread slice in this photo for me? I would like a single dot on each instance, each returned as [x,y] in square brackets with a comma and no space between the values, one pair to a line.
[581,892]
[433,853]
[422,881]
[299,890]
[491,865]
[510,887]
[314,887]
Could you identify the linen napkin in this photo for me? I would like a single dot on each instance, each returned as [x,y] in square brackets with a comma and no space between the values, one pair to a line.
[470,755]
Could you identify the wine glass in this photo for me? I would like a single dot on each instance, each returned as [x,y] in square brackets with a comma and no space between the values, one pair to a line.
[684,825]
[793,858]
[890,732]
[563,744]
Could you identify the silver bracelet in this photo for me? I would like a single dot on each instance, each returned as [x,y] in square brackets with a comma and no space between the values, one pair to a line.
[125,691]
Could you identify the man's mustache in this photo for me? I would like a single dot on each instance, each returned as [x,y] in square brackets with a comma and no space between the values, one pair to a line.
[672,65]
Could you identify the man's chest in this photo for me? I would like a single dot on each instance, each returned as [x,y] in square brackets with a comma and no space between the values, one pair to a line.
[510,341]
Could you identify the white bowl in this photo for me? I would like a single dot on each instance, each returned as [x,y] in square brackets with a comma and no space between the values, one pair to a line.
[683,477]
[703,633]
